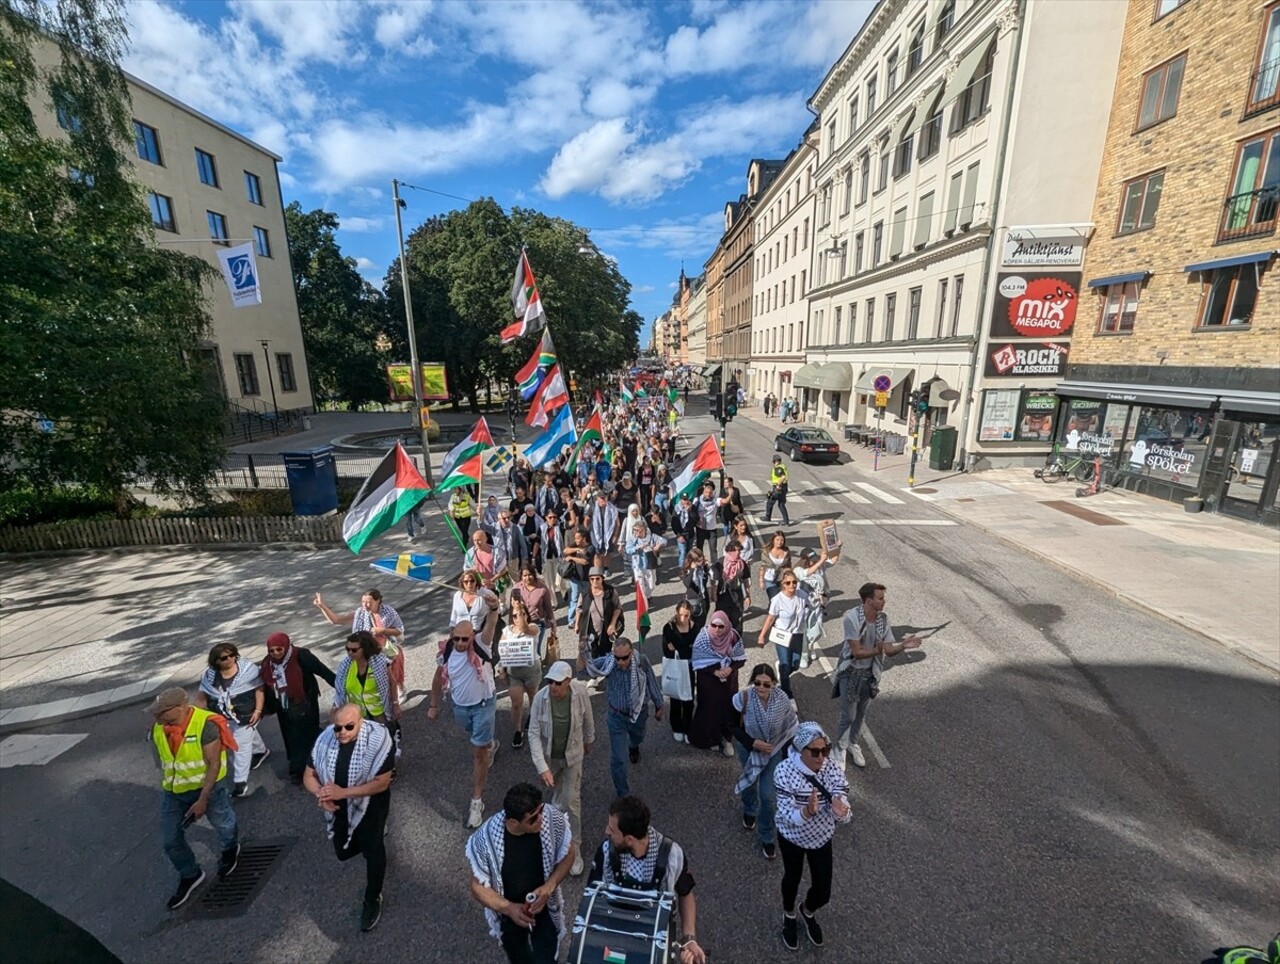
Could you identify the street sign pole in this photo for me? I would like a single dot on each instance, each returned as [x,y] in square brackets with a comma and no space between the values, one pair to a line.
[915,449]
[883,384]
[875,458]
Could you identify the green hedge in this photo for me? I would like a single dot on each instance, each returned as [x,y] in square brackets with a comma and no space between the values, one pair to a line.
[28,507]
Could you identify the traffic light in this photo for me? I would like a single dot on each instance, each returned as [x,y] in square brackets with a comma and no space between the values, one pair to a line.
[717,406]
[920,401]
[714,399]
[731,400]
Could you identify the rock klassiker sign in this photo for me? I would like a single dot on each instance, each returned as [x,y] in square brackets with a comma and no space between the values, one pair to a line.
[1035,304]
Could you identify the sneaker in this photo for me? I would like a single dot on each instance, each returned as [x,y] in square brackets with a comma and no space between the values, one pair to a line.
[806,662]
[678,737]
[790,936]
[370,914]
[727,749]
[577,867]
[858,759]
[811,928]
[185,887]
[240,789]
[749,822]
[635,754]
[770,851]
[517,739]
[230,860]
[493,751]
[259,758]
[476,816]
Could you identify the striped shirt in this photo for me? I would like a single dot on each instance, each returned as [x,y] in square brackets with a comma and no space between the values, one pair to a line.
[626,687]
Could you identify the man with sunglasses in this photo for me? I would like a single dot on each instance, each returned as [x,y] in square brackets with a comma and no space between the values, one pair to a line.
[630,686]
[463,667]
[519,857]
[350,773]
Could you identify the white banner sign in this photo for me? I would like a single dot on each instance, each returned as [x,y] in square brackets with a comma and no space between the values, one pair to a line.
[240,269]
[1045,245]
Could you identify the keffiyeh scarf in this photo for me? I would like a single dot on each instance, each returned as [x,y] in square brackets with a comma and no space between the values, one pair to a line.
[247,678]
[372,744]
[487,846]
[385,618]
[710,651]
[774,723]
[381,679]
[285,678]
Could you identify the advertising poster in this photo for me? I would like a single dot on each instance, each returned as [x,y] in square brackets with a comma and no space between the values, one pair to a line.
[1035,304]
[435,382]
[999,415]
[1027,360]
[1038,411]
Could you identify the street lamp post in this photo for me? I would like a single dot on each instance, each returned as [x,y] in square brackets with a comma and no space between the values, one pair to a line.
[266,357]
[415,368]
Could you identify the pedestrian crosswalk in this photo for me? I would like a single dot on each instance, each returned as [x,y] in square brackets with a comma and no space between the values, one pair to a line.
[864,493]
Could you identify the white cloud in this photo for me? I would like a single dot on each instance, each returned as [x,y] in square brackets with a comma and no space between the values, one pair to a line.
[398,27]
[364,264]
[691,237]
[361,225]
[643,289]
[321,30]
[586,161]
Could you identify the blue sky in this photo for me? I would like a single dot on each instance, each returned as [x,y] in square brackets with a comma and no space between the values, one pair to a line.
[635,120]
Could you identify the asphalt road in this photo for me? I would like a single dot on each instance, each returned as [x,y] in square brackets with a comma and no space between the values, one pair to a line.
[1067,779]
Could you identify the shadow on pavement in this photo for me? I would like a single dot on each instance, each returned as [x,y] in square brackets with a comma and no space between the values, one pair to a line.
[34,933]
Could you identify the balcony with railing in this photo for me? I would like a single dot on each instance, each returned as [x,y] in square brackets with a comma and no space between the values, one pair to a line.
[1264,88]
[1249,215]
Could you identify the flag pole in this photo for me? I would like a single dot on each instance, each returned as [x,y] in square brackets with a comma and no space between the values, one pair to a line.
[415,369]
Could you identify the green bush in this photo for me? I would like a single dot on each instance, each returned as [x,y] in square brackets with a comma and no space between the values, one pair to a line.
[27,507]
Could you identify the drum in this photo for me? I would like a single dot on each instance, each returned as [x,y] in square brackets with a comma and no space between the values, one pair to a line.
[619,926]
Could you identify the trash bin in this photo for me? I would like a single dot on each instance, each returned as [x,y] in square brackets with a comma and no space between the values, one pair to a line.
[313,480]
[895,444]
[942,448]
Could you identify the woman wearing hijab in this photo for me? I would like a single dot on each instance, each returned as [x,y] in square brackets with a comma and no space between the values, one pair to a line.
[813,796]
[489,520]
[733,584]
[766,724]
[290,673]
[233,688]
[677,643]
[699,586]
[717,656]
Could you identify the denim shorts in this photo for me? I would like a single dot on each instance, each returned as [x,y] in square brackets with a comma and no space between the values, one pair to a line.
[477,720]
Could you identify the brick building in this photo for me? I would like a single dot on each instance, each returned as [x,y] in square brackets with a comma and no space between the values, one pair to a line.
[1174,375]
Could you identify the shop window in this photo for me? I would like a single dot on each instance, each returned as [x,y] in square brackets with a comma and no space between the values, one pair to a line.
[1160,89]
[1167,444]
[1251,461]
[1250,209]
[1119,308]
[1141,201]
[1264,84]
[1229,296]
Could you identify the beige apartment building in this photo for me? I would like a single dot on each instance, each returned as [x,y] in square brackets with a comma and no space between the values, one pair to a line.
[783,227]
[697,323]
[207,187]
[1174,378]
[739,274]
[959,145]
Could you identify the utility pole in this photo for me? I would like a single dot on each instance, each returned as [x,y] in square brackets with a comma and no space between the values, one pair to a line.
[416,369]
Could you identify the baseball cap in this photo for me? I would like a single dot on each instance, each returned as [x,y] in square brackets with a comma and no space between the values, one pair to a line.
[626,475]
[559,671]
[808,553]
[777,458]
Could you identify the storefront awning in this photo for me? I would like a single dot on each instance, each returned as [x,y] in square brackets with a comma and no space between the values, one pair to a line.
[1137,394]
[1119,279]
[866,381]
[1229,262]
[807,376]
[1259,403]
[834,377]
[902,126]
[710,371]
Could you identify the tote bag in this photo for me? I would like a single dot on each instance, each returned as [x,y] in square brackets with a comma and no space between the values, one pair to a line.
[675,679]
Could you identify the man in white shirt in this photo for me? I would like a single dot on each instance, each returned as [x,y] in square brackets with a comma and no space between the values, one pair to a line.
[464,668]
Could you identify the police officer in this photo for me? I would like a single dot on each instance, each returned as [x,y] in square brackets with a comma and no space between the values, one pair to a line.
[777,491]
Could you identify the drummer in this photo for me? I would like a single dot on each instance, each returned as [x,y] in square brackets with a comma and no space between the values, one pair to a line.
[636,856]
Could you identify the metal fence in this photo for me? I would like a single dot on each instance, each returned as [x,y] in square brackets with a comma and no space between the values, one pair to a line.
[267,471]
[113,533]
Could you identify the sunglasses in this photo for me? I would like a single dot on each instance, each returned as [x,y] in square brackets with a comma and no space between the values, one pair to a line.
[788,582]
[353,649]
[226,656]
[622,659]
[460,639]
[717,625]
[534,815]
[763,684]
[818,751]
[348,727]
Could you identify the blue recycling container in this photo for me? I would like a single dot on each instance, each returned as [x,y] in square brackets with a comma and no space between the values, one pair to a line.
[313,480]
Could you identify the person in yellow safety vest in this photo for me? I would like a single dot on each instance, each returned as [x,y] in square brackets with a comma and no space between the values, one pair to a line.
[191,747]
[463,509]
[777,492]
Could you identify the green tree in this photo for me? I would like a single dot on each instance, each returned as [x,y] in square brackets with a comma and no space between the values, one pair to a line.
[99,329]
[342,314]
[461,265]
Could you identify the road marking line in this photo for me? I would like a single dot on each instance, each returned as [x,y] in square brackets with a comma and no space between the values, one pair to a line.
[855,498]
[882,496]
[828,667]
[749,487]
[898,522]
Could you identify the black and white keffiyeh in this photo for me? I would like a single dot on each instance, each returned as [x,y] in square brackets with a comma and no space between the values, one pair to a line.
[372,744]
[775,723]
[795,783]
[487,847]
[378,666]
[248,677]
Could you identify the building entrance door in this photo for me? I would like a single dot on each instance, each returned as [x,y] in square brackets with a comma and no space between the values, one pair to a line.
[1242,474]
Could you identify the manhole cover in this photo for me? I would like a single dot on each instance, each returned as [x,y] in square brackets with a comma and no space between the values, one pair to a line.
[926,491]
[232,897]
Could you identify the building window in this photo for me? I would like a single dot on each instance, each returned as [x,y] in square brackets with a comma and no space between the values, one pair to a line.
[946,20]
[844,258]
[864,177]
[253,188]
[915,49]
[942,305]
[147,140]
[1160,89]
[957,289]
[897,232]
[891,80]
[1167,6]
[1141,200]
[1119,308]
[838,326]
[931,133]
[870,322]
[247,373]
[953,203]
[1229,296]
[804,275]
[261,242]
[924,221]
[871,96]
[1264,85]
[902,158]
[853,321]
[162,212]
[885,157]
[853,114]
[1250,209]
[976,97]
[858,246]
[831,138]
[890,308]
[805,237]
[913,313]
[64,108]
[284,366]
[877,242]
[217,227]
[848,191]
[207,167]
[824,205]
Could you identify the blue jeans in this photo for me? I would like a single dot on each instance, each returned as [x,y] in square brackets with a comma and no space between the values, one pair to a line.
[661,500]
[575,591]
[789,661]
[682,550]
[760,800]
[174,806]
[623,734]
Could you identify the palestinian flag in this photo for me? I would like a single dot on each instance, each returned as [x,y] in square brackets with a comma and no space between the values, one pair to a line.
[535,369]
[690,472]
[390,491]
[627,397]
[552,393]
[642,612]
[591,432]
[525,302]
[463,465]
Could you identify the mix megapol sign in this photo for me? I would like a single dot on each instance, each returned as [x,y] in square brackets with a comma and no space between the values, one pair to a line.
[1035,304]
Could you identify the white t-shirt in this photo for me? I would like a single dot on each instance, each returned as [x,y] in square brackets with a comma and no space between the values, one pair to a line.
[788,613]
[467,686]
[475,614]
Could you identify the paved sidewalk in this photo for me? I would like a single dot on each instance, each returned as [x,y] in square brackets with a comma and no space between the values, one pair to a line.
[1215,575]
